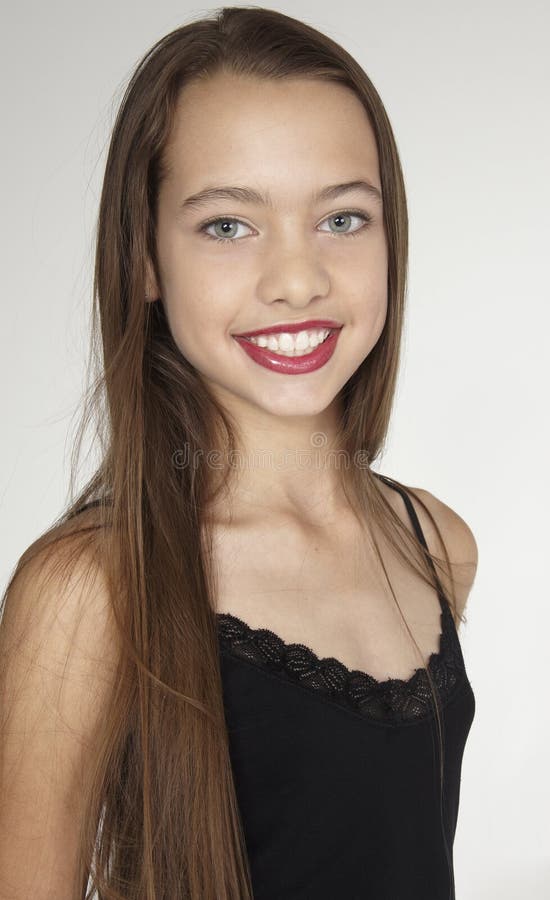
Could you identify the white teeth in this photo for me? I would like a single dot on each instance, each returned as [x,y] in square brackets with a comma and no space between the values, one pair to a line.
[292,344]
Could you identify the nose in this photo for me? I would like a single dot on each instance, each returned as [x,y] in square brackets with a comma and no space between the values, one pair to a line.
[293,272]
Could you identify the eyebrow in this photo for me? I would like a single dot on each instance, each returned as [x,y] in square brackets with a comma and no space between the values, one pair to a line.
[249,195]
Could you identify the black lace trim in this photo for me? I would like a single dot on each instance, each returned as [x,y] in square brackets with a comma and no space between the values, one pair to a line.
[396,699]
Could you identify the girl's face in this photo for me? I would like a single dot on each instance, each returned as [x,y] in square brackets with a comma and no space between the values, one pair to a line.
[294,258]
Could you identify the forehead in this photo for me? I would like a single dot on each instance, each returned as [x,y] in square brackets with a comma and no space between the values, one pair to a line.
[292,132]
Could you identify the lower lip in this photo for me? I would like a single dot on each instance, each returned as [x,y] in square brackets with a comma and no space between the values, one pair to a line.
[291,365]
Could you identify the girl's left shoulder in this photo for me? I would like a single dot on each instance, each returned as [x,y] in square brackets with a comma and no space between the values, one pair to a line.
[458,537]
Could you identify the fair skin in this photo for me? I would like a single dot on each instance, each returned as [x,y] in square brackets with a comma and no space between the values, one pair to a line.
[304,570]
[286,263]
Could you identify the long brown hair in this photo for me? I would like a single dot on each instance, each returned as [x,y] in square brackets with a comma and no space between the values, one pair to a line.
[161,816]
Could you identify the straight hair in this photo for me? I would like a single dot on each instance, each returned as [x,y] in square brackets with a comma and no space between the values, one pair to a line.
[161,815]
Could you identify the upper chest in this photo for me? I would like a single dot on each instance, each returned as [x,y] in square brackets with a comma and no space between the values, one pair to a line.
[325,588]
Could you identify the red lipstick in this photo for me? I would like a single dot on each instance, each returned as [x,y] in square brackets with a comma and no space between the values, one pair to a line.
[290,365]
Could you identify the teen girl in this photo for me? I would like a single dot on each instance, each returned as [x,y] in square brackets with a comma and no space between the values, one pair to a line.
[231,668]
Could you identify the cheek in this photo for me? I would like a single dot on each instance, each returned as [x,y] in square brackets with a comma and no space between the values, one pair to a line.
[366,293]
[183,289]
[190,323]
[367,290]
[378,309]
[198,316]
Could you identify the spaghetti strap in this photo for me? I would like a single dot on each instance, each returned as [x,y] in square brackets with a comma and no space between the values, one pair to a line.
[415,524]
[410,508]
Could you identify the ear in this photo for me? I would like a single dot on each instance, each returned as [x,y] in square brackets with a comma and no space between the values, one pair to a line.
[152,292]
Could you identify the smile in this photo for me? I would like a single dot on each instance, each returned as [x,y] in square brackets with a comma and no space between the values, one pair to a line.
[292,354]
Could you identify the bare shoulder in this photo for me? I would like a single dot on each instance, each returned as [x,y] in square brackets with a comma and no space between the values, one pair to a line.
[58,659]
[58,619]
[459,540]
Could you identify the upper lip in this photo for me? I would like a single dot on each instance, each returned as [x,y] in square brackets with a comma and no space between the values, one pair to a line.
[292,327]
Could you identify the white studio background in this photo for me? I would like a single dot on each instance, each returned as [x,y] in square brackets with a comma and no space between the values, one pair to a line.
[466,87]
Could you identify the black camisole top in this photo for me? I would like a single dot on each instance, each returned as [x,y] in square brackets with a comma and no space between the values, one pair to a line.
[337,774]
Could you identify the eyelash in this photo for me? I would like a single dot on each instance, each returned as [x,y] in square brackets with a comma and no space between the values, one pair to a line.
[367,219]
